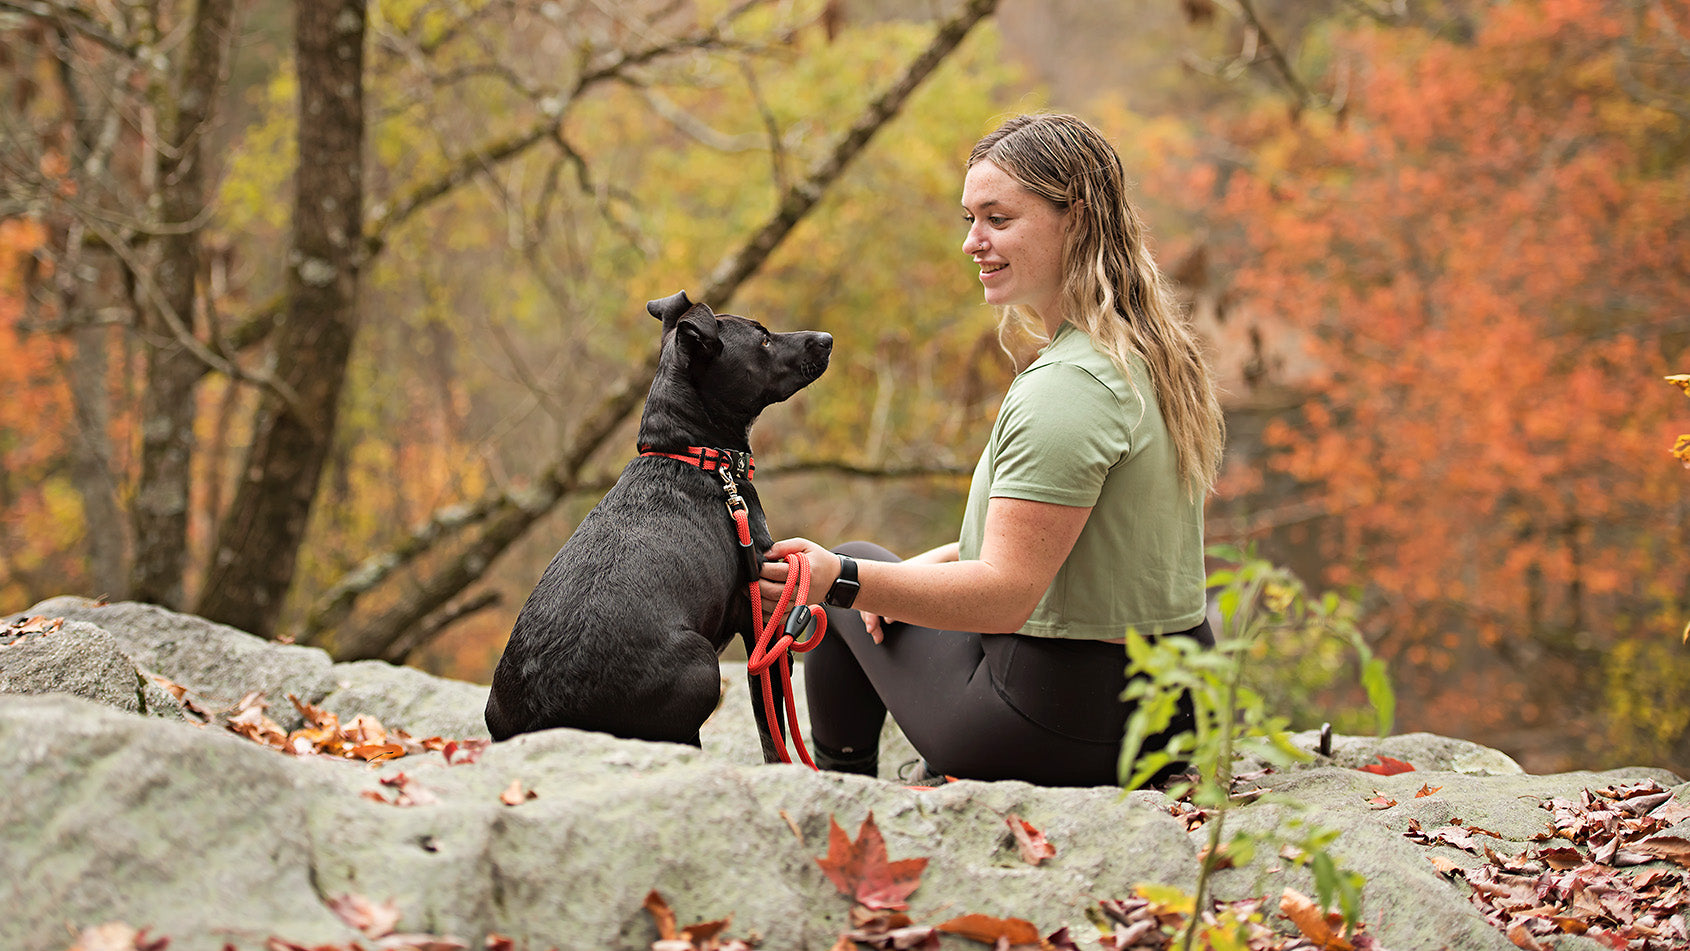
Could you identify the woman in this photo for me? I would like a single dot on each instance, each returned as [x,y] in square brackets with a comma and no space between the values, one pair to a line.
[1085,515]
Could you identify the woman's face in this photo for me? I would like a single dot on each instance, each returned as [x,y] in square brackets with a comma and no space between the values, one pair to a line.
[1016,238]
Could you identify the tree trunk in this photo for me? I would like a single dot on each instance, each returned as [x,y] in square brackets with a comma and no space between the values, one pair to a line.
[505,519]
[259,538]
[91,468]
[167,318]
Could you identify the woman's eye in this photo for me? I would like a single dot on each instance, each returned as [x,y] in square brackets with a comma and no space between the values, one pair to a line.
[996,221]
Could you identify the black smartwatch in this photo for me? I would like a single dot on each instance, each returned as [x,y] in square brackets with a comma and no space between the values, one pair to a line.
[844,591]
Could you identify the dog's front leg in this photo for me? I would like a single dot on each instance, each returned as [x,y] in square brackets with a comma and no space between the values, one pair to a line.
[778,694]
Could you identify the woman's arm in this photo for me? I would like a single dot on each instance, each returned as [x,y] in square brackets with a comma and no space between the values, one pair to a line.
[1025,543]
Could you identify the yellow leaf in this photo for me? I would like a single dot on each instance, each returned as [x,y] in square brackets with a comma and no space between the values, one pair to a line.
[1169,897]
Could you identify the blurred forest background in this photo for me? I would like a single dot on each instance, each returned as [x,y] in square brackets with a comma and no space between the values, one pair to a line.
[326,319]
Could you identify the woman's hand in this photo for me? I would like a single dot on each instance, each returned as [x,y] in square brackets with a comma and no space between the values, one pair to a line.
[876,625]
[824,570]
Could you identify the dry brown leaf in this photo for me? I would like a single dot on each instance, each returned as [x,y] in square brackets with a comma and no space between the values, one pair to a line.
[374,919]
[1034,848]
[1562,857]
[1312,922]
[1673,848]
[515,795]
[661,915]
[706,931]
[1380,802]
[116,936]
[988,930]
[1523,938]
[1427,789]
[1443,865]
[458,752]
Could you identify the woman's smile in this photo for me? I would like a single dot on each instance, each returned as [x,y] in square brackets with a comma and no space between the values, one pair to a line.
[1009,224]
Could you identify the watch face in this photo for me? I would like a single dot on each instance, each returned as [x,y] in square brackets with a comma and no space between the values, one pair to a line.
[843,593]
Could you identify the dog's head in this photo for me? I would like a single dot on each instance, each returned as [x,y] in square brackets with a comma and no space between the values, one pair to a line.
[725,369]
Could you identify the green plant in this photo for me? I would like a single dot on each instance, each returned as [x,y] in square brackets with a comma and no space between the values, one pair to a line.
[1227,717]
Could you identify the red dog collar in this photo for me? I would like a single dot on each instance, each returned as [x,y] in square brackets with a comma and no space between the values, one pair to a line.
[738,464]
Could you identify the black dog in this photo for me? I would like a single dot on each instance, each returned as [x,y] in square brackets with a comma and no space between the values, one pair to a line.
[623,631]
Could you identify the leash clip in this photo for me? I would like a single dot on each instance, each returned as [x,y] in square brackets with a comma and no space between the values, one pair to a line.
[741,515]
[736,502]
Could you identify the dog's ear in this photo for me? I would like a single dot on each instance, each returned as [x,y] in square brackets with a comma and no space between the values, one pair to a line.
[698,337]
[669,309]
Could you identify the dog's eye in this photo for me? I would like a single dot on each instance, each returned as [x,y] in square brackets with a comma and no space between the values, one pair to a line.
[768,341]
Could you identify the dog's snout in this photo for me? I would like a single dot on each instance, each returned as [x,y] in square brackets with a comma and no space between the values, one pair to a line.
[822,342]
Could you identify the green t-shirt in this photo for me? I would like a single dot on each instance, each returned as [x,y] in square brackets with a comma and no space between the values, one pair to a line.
[1074,431]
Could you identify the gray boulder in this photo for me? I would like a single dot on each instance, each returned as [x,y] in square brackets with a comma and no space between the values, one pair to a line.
[117,807]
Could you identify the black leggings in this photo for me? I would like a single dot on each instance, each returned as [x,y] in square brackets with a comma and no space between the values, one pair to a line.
[976,706]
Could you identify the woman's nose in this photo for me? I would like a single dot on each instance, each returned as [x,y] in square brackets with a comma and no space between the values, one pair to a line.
[973,243]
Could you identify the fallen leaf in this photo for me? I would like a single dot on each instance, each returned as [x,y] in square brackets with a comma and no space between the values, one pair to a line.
[989,930]
[116,936]
[1443,865]
[376,752]
[1387,766]
[1222,858]
[1034,848]
[1562,857]
[515,795]
[1061,940]
[862,871]
[1670,847]
[920,937]
[406,792]
[869,919]
[1427,789]
[374,919]
[459,752]
[1380,802]
[1523,938]
[1311,921]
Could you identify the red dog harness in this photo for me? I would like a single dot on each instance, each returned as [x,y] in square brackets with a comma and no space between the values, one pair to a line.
[727,463]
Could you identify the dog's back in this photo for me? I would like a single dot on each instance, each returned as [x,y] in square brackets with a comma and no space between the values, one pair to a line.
[622,633]
[601,639]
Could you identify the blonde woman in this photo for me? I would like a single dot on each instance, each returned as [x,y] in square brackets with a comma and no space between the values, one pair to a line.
[1085,515]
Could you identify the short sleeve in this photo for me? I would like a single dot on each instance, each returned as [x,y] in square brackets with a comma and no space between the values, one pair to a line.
[1060,432]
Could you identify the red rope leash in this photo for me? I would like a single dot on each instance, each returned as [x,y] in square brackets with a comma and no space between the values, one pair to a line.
[796,593]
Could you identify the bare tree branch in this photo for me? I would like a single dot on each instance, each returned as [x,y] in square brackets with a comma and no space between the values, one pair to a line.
[69,16]
[1276,56]
[507,516]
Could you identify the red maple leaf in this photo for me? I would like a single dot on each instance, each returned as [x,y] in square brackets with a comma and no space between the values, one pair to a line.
[861,871]
[1387,766]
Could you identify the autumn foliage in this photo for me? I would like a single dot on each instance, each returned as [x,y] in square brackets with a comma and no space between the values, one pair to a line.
[1482,254]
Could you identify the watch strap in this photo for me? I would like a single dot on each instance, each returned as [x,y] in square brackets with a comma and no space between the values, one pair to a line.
[844,591]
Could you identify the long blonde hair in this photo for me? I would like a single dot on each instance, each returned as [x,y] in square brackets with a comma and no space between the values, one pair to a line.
[1111,286]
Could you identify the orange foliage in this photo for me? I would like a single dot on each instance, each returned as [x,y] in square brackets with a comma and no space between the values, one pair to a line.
[1487,251]
[34,420]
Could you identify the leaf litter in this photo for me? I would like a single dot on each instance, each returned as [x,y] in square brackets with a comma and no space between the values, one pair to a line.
[1584,888]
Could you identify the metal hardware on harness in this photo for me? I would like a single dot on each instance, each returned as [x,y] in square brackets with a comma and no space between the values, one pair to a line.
[710,459]
[741,515]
